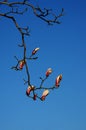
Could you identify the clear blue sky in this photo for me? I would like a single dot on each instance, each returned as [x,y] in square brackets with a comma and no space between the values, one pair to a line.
[63,48]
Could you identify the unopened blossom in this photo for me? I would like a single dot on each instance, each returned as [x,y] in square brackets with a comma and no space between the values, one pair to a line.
[35,96]
[45,93]
[58,79]
[48,72]
[35,50]
[29,89]
[21,64]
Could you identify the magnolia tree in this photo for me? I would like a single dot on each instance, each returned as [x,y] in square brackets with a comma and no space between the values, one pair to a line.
[12,10]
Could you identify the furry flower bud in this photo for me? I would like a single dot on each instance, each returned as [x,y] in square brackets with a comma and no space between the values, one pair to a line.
[21,64]
[35,96]
[48,72]
[58,79]
[35,50]
[29,89]
[45,93]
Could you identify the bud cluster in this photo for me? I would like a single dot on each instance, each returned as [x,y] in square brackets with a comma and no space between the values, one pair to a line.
[32,90]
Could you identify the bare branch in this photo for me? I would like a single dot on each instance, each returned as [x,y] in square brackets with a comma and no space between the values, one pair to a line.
[47,15]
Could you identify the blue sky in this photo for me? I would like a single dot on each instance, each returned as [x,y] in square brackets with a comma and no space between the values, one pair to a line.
[63,48]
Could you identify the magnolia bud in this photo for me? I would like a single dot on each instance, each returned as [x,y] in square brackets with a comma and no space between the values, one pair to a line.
[58,79]
[48,72]
[35,50]
[29,89]
[34,97]
[45,93]
[21,64]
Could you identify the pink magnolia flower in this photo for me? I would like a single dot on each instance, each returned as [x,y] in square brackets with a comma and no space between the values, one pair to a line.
[21,64]
[58,79]
[48,72]
[35,50]
[45,93]
[29,89]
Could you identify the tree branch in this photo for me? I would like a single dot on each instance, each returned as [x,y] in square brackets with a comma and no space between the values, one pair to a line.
[47,16]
